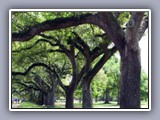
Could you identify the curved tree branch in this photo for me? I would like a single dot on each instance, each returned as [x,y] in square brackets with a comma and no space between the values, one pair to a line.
[105,20]
[36,65]
[40,40]
[89,76]
[31,67]
[61,46]
[82,43]
[48,25]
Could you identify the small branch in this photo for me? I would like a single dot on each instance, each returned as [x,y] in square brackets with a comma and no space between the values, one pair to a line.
[81,45]
[57,50]
[100,64]
[96,52]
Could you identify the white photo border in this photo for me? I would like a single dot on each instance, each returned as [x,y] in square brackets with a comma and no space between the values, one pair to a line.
[75,109]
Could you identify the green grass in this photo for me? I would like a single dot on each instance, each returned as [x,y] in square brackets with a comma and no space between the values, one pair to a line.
[100,104]
[30,105]
[144,104]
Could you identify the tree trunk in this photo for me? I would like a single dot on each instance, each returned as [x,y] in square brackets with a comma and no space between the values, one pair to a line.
[80,99]
[118,98]
[52,91]
[107,96]
[45,99]
[31,95]
[130,79]
[96,98]
[40,98]
[130,64]
[69,99]
[87,96]
[51,100]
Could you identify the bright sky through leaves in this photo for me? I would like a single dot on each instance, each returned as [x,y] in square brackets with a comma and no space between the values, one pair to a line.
[144,51]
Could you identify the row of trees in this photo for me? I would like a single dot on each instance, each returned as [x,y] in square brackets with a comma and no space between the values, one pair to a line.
[68,49]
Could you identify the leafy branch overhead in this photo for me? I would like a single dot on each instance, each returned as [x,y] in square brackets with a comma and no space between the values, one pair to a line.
[60,23]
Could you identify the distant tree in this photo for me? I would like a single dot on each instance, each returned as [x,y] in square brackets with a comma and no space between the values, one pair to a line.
[99,85]
[113,76]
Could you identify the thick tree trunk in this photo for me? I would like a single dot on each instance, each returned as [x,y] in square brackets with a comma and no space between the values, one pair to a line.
[107,96]
[130,79]
[87,96]
[69,99]
[130,64]
[51,100]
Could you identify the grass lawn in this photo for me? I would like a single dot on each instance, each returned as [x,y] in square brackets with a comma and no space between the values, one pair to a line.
[144,104]
[100,104]
[30,105]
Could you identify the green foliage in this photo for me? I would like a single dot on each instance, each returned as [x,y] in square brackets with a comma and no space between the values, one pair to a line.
[112,70]
[123,18]
[144,86]
[22,57]
[99,84]
[78,93]
[30,105]
[88,33]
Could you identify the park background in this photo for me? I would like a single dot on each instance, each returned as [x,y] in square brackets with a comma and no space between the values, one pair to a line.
[4,47]
[108,75]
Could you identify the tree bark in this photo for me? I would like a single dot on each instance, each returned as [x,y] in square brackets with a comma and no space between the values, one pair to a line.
[53,90]
[86,84]
[130,79]
[118,98]
[87,96]
[130,64]
[45,99]
[69,99]
[51,100]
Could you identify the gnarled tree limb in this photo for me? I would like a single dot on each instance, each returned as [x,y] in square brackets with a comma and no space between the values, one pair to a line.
[29,68]
[49,25]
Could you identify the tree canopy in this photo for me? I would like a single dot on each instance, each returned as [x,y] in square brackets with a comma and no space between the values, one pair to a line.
[66,52]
